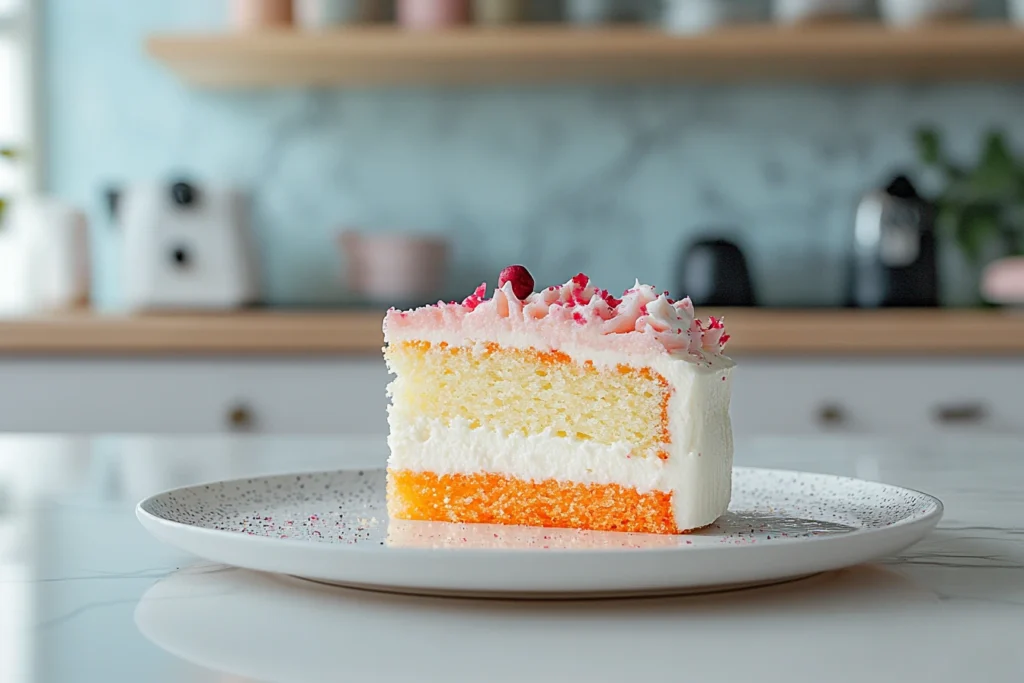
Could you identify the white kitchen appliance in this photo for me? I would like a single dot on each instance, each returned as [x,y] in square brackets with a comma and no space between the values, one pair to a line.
[44,257]
[185,247]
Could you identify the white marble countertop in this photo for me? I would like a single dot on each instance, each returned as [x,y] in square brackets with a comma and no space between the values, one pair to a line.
[87,595]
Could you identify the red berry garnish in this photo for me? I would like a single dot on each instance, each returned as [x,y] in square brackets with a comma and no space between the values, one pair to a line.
[519,276]
[581,280]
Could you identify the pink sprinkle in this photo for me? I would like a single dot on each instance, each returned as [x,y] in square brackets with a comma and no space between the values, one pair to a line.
[643,310]
[609,299]
[581,280]
[578,317]
[476,298]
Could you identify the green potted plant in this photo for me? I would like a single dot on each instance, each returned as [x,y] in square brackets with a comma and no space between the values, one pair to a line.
[981,207]
[8,154]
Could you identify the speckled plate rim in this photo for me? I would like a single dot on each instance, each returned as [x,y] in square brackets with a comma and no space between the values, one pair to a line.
[556,572]
[928,517]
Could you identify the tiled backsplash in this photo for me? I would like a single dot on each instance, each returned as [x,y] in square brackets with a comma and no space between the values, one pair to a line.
[612,181]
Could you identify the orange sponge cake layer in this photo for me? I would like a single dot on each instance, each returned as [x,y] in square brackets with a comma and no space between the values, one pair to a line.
[496,499]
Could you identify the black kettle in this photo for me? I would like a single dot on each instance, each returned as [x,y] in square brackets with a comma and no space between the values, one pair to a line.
[894,255]
[714,272]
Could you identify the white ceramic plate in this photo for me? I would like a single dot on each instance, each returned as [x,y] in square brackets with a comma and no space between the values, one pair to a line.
[332,526]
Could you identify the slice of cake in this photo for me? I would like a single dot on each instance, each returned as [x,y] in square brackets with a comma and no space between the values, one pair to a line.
[566,407]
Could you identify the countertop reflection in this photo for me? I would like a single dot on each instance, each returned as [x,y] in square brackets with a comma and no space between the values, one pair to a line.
[87,595]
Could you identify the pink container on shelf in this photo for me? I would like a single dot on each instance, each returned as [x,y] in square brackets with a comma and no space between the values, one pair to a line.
[1002,282]
[394,268]
[430,15]
[253,15]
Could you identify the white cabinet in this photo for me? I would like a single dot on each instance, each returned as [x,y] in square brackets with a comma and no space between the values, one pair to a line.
[346,395]
[878,396]
[292,396]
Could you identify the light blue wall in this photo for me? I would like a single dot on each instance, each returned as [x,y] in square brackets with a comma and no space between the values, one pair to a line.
[606,180]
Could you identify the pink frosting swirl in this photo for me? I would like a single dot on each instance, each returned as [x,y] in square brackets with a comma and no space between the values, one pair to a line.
[641,310]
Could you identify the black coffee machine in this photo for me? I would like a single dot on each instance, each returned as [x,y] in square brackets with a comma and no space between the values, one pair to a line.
[714,272]
[894,259]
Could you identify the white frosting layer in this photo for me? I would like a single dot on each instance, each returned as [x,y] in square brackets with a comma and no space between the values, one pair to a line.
[698,471]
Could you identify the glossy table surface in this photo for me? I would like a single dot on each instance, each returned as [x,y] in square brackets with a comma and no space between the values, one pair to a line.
[87,595]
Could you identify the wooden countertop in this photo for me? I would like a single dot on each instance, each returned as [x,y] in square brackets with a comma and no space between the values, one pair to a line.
[754,332]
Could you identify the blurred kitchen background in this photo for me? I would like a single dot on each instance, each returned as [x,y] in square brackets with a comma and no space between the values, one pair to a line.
[209,203]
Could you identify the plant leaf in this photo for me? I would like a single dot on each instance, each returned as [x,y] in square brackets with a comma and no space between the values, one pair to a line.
[995,178]
[976,226]
[929,146]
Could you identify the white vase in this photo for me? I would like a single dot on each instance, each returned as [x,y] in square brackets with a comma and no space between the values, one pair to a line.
[798,11]
[905,13]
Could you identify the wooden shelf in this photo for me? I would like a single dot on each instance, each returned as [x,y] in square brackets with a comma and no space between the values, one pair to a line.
[553,54]
[755,332]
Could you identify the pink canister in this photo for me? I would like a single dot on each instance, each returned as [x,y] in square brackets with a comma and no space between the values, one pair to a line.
[427,15]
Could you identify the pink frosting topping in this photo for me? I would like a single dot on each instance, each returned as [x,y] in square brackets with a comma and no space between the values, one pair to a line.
[640,315]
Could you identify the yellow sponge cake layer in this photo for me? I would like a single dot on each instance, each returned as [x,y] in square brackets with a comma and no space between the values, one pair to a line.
[529,392]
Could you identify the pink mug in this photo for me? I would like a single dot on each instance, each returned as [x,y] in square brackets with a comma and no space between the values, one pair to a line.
[248,15]
[427,15]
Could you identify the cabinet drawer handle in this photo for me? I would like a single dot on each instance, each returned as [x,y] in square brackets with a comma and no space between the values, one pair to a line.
[240,418]
[966,413]
[831,415]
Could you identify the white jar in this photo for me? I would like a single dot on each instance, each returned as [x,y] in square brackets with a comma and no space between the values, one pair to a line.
[592,12]
[915,12]
[1016,10]
[796,11]
[694,16]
